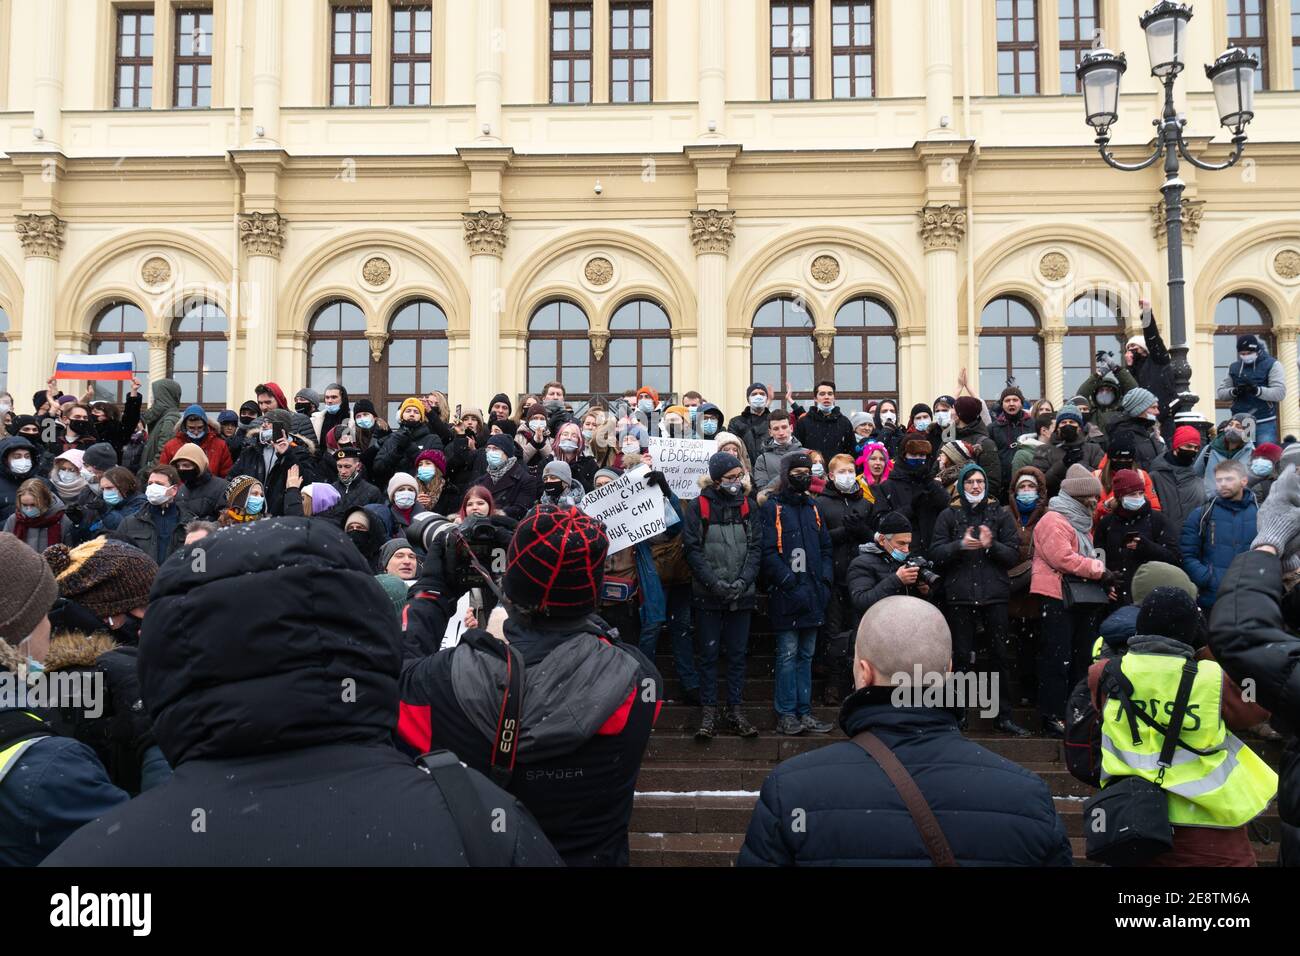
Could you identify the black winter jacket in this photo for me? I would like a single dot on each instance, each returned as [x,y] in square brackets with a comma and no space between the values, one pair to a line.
[727,529]
[1147,445]
[873,577]
[271,675]
[400,450]
[1158,542]
[848,519]
[975,576]
[988,457]
[915,495]
[206,497]
[253,462]
[1005,430]
[515,492]
[588,708]
[1180,489]
[353,496]
[751,429]
[1250,639]
[1055,457]
[829,434]
[992,812]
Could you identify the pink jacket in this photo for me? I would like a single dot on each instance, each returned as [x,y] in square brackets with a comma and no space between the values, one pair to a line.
[1056,552]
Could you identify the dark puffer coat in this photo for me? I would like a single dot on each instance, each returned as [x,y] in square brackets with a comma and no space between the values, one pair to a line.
[992,812]
[798,563]
[975,576]
[271,676]
[917,497]
[728,542]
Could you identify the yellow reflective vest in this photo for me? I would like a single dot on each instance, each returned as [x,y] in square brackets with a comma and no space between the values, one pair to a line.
[1227,788]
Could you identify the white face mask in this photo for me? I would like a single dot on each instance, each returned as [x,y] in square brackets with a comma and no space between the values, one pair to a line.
[1134,502]
[888,418]
[1247,358]
[155,494]
[758,401]
[404,498]
[973,497]
[845,480]
[818,470]
[20,466]
[943,418]
[631,449]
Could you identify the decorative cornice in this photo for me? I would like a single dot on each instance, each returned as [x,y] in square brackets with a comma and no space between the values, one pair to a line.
[599,341]
[1191,213]
[713,230]
[377,340]
[40,233]
[485,232]
[825,341]
[263,233]
[942,227]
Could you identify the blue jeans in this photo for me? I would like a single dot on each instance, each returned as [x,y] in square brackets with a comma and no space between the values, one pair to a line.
[1266,431]
[731,629]
[678,612]
[794,654]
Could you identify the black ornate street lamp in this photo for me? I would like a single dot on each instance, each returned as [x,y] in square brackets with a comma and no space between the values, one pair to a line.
[1233,79]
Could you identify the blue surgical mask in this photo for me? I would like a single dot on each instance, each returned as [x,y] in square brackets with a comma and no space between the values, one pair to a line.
[366,423]
[254,505]
[196,433]
[568,445]
[692,410]
[915,462]
[30,511]
[112,497]
[495,458]
[709,427]
[404,498]
[1261,467]
[920,423]
[645,405]
[758,401]
[586,434]
[899,556]
[818,469]
[425,472]
[333,409]
[1134,502]
[1027,498]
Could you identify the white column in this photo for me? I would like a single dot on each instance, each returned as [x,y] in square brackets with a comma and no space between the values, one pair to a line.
[157,355]
[487,75]
[262,235]
[266,71]
[41,236]
[485,234]
[47,80]
[712,233]
[938,69]
[1287,353]
[942,228]
[1053,371]
[713,69]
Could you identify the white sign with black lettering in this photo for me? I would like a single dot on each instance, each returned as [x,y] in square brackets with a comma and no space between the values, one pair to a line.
[631,510]
[683,461]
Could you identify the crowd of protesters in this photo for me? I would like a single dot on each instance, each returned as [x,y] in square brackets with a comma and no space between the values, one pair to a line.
[993,511]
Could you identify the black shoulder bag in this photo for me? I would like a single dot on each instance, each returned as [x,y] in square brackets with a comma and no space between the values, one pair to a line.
[1127,821]
[936,844]
[484,845]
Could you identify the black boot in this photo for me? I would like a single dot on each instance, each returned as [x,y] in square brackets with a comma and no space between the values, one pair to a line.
[737,723]
[708,723]
[1009,726]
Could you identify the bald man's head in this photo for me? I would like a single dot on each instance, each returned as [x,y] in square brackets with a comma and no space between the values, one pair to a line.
[897,635]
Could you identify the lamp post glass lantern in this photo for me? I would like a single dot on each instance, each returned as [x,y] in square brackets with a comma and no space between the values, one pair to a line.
[1233,78]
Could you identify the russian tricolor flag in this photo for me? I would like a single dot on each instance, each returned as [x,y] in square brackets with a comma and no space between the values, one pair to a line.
[118,366]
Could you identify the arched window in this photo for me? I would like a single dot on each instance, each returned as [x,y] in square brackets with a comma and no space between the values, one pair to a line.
[197,356]
[4,350]
[417,353]
[337,350]
[640,348]
[1010,353]
[120,327]
[1238,314]
[1096,323]
[559,349]
[864,362]
[782,348]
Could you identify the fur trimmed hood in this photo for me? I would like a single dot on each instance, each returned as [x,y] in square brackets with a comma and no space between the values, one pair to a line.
[704,481]
[68,650]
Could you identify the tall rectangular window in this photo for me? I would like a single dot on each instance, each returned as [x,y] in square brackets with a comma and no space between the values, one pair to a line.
[1248,29]
[631,54]
[852,50]
[350,57]
[792,50]
[192,77]
[133,60]
[571,53]
[1080,21]
[1017,47]
[1295,44]
[412,43]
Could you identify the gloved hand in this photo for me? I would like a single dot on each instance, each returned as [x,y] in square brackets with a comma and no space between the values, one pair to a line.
[656,479]
[1246,391]
[1278,521]
[1073,454]
[720,589]
[1110,579]
[1106,363]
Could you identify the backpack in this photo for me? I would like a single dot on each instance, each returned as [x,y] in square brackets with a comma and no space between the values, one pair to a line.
[704,507]
[1082,743]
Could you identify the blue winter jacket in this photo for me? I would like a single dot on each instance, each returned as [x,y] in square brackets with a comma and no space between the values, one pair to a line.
[1212,538]
[798,561]
[834,806]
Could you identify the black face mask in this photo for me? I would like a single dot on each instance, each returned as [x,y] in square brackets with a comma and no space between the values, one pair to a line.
[190,477]
[800,482]
[1068,433]
[553,489]
[303,408]
[1185,456]
[128,632]
[1118,464]
[359,538]
[246,419]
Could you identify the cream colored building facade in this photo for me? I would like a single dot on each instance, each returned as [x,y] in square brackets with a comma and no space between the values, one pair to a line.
[935,196]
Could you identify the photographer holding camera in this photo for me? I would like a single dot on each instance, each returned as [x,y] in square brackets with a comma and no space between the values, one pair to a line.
[885,566]
[976,545]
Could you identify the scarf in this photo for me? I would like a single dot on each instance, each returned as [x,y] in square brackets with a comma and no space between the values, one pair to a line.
[51,521]
[239,516]
[1080,519]
[71,491]
[506,465]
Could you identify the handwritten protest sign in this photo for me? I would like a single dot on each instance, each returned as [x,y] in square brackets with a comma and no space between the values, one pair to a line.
[631,510]
[683,461]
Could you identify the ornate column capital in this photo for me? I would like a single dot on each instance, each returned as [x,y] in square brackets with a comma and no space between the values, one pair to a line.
[1191,213]
[713,230]
[1286,333]
[599,342]
[825,339]
[41,234]
[262,233]
[942,227]
[485,232]
[157,340]
[1053,336]
[377,340]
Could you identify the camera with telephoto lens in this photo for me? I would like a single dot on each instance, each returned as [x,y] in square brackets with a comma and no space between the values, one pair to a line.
[456,548]
[927,574]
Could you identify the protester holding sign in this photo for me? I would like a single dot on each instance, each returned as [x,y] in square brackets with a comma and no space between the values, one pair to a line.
[684,462]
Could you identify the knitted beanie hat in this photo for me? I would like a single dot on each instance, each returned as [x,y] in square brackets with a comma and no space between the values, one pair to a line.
[894,522]
[1126,482]
[1186,435]
[29,591]
[237,493]
[968,409]
[1136,401]
[411,403]
[104,576]
[721,463]
[556,562]
[1159,574]
[1069,414]
[432,454]
[1079,483]
[1268,450]
[401,480]
[1169,612]
[102,456]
